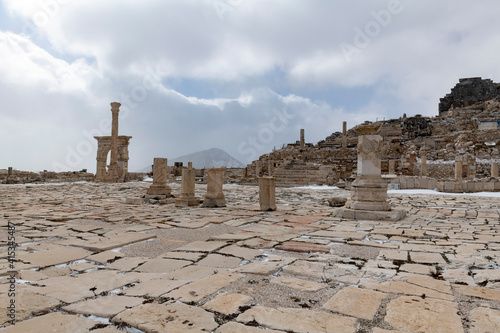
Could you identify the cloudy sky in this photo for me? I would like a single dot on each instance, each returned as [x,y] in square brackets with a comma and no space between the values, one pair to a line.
[240,75]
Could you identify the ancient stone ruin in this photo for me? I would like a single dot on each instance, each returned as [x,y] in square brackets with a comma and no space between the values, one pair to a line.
[187,197]
[215,195]
[117,147]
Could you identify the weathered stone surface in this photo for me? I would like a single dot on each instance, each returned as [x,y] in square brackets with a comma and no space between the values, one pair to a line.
[52,322]
[105,257]
[414,314]
[298,320]
[299,284]
[107,306]
[112,242]
[480,292]
[485,320]
[202,288]
[162,265]
[27,304]
[127,264]
[202,246]
[302,247]
[55,256]
[263,268]
[233,327]
[227,304]
[241,252]
[356,302]
[154,288]
[175,317]
[219,261]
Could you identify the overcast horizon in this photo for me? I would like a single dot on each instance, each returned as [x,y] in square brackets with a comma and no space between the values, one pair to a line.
[240,75]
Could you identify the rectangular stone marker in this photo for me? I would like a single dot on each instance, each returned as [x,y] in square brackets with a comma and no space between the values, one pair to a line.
[187,197]
[423,166]
[267,198]
[458,170]
[494,170]
[214,196]
[392,167]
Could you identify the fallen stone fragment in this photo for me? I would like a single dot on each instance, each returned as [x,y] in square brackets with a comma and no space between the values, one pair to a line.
[356,302]
[227,304]
[414,314]
[298,320]
[174,317]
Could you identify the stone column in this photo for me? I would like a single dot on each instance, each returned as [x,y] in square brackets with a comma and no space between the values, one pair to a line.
[187,197]
[270,168]
[257,168]
[494,170]
[159,189]
[114,170]
[9,179]
[190,165]
[344,134]
[369,190]
[423,166]
[302,138]
[214,196]
[458,167]
[267,197]
[392,167]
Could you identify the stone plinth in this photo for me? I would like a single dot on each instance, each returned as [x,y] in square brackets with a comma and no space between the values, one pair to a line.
[159,189]
[267,197]
[494,170]
[214,196]
[187,197]
[369,191]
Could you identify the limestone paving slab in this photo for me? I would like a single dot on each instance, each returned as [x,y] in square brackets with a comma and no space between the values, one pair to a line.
[106,307]
[196,291]
[415,314]
[168,318]
[227,304]
[162,265]
[219,261]
[53,322]
[28,304]
[233,327]
[298,320]
[299,284]
[484,320]
[116,241]
[203,246]
[54,256]
[154,288]
[356,302]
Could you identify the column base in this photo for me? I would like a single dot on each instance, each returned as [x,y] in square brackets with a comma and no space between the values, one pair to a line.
[214,202]
[186,201]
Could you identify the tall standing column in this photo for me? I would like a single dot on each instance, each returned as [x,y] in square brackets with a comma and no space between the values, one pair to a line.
[114,170]
[423,166]
[302,138]
[187,197]
[344,134]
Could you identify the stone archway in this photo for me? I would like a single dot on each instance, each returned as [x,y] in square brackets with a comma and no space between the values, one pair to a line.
[103,149]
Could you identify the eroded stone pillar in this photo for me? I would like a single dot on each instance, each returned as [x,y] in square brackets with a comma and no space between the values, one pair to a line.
[302,138]
[423,166]
[270,168]
[494,170]
[159,188]
[344,134]
[9,179]
[187,197]
[214,196]
[267,196]
[458,168]
[392,167]
[257,168]
[114,170]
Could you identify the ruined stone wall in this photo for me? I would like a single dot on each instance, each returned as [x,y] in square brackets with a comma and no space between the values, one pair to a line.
[469,91]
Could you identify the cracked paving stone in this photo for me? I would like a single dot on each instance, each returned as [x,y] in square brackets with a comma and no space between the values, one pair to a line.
[356,302]
[227,304]
[52,322]
[106,307]
[484,320]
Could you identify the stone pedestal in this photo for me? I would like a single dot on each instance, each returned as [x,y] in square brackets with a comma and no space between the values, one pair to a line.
[369,190]
[494,170]
[214,196]
[267,197]
[159,189]
[187,197]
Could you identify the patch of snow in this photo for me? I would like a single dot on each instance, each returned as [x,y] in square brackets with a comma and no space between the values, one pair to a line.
[434,192]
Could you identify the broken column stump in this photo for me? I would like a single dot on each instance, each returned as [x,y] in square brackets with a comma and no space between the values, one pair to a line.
[267,196]
[187,197]
[214,196]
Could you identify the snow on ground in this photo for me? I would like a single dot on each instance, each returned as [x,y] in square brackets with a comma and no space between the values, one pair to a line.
[434,192]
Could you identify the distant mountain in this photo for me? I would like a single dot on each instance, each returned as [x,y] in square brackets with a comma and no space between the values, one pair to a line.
[211,158]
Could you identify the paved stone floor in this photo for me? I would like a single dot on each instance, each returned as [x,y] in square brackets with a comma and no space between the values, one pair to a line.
[88,262]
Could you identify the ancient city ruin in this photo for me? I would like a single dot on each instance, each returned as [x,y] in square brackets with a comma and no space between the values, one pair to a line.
[259,249]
